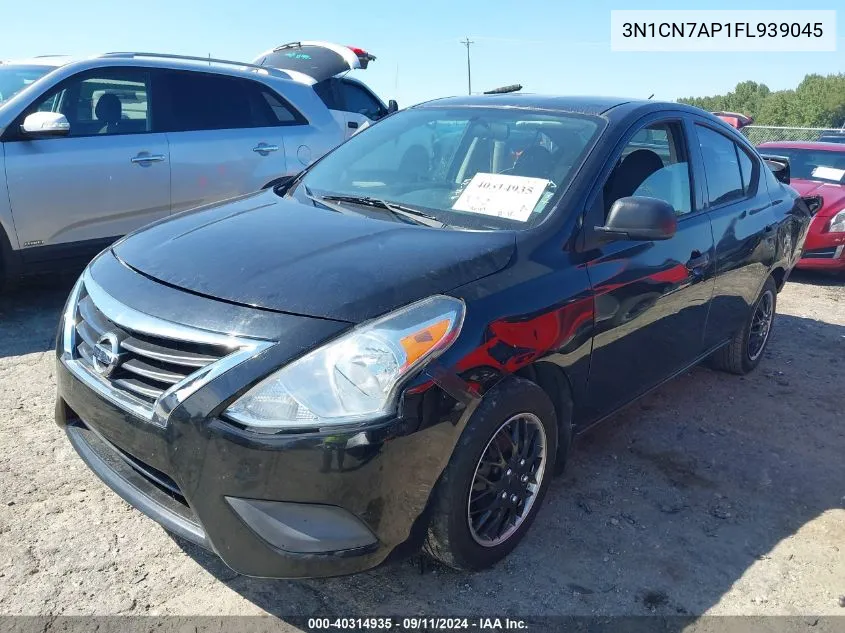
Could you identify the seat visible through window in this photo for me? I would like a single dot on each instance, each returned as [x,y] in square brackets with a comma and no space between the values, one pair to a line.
[654,164]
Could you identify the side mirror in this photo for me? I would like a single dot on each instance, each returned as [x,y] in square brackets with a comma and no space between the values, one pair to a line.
[814,203]
[779,166]
[281,183]
[45,124]
[640,218]
[392,106]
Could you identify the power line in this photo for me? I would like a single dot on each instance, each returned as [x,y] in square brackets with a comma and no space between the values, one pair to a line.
[467,43]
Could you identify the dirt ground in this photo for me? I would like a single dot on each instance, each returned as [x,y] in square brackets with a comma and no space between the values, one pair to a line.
[716,494]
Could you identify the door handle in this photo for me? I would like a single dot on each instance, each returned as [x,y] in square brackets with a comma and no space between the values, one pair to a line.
[264,148]
[146,157]
[697,262]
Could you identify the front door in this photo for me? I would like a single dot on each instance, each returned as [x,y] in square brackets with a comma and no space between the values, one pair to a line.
[651,298]
[107,177]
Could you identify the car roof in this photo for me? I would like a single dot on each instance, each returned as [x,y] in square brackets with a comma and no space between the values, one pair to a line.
[176,62]
[584,105]
[590,105]
[834,147]
[51,61]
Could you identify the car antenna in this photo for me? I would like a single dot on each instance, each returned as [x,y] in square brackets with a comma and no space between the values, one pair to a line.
[504,89]
[650,96]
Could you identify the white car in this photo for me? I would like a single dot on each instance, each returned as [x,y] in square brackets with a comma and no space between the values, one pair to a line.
[93,149]
[324,67]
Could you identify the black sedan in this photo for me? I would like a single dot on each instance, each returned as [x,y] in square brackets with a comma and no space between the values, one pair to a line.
[395,349]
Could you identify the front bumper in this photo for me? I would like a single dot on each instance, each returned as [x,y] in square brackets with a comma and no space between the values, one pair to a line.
[830,258]
[279,507]
[823,250]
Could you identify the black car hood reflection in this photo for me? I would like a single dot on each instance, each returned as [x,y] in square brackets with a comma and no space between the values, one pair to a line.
[278,254]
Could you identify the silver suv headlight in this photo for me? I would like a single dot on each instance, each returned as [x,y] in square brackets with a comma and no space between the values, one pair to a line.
[355,377]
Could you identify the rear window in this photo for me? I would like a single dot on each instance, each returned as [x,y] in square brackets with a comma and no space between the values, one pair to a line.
[812,164]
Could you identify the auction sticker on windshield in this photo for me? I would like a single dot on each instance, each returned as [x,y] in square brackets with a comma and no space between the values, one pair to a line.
[511,197]
[828,173]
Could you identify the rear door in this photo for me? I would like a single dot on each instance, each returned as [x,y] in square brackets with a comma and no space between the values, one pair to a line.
[226,134]
[745,227]
[108,176]
[651,298]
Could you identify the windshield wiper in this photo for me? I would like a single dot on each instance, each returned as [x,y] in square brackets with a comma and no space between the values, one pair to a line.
[317,200]
[409,213]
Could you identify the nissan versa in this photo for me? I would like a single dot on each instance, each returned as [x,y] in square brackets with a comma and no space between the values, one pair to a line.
[395,348]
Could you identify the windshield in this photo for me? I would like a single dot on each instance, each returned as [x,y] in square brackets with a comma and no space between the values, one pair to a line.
[812,164]
[13,79]
[475,168]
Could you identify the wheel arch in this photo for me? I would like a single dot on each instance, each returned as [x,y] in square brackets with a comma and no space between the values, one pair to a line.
[553,379]
[778,273]
[10,265]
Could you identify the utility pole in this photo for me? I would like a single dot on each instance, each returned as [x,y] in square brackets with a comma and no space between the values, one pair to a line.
[467,43]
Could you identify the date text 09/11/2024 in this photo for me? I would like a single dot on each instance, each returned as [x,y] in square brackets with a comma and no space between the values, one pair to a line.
[417,623]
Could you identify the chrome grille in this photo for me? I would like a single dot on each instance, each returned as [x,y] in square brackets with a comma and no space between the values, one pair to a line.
[148,365]
[153,364]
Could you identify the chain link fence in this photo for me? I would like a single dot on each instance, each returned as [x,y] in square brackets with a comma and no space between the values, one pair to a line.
[763,133]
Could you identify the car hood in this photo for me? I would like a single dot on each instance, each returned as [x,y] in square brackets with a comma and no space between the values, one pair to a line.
[273,253]
[832,194]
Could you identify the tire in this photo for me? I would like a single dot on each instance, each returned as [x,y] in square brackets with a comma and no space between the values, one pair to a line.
[516,402]
[739,356]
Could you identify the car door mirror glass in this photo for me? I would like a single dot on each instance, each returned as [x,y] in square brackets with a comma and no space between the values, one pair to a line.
[45,124]
[779,166]
[392,106]
[640,218]
[814,203]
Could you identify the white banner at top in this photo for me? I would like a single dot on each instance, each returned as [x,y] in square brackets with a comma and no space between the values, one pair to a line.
[723,31]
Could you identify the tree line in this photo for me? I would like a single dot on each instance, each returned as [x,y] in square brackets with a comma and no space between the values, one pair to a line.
[818,101]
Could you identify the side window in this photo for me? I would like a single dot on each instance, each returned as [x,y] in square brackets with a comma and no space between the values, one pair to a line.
[654,163]
[721,166]
[199,101]
[326,91]
[107,102]
[281,112]
[359,101]
[749,170]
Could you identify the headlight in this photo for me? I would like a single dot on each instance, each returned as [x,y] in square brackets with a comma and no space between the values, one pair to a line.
[837,224]
[355,377]
[67,325]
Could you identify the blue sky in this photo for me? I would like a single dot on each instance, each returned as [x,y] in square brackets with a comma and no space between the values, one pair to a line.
[550,46]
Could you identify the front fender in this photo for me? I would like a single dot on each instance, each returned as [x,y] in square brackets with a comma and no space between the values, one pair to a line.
[9,259]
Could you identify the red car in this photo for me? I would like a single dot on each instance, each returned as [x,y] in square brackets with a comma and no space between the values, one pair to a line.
[818,169]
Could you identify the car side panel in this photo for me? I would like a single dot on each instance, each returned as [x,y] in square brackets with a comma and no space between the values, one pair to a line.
[750,238]
[746,248]
[7,224]
[212,165]
[66,190]
[651,311]
[540,310]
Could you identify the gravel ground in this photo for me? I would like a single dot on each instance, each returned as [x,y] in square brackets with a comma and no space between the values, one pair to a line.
[716,494]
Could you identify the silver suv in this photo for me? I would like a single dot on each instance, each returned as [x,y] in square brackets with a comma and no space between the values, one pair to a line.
[91,150]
